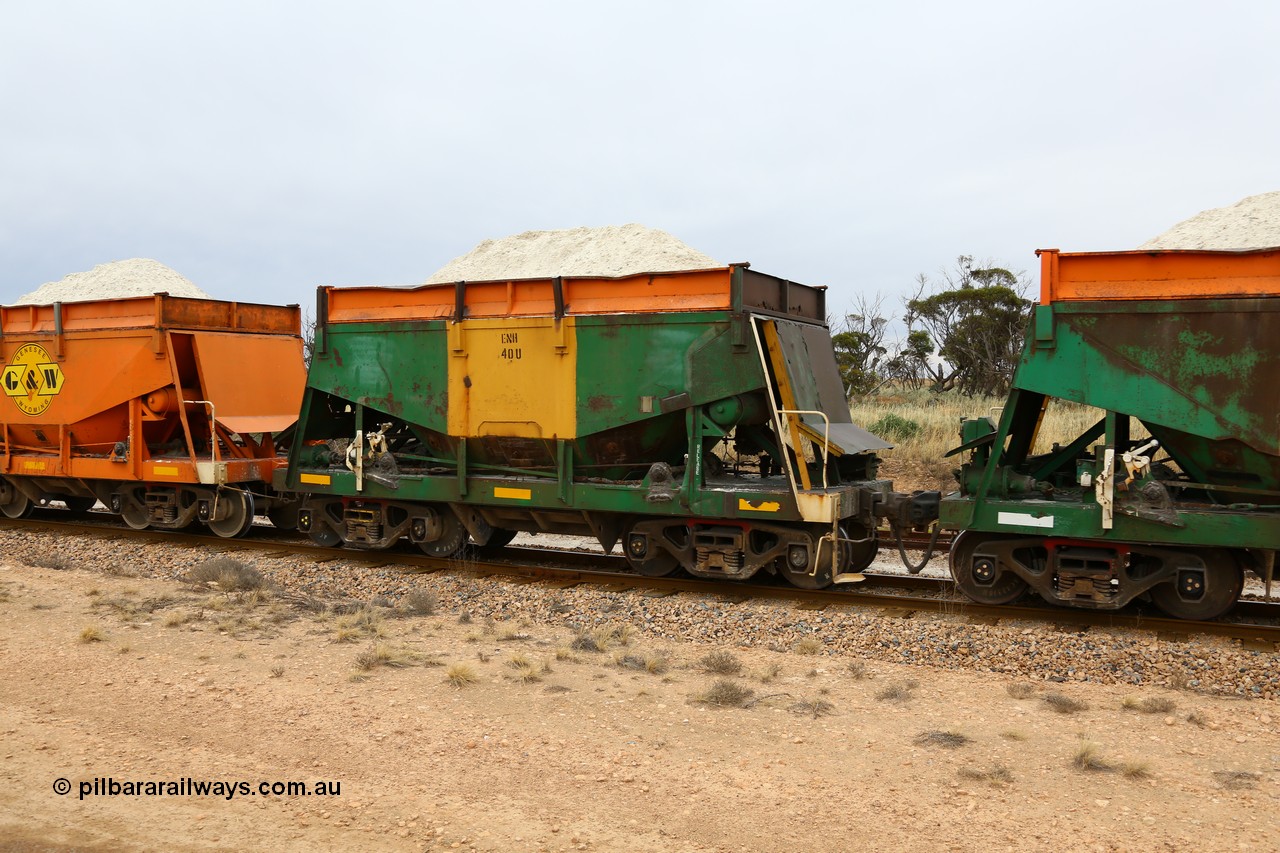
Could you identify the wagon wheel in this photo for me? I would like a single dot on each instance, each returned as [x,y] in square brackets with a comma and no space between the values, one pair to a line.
[816,572]
[499,538]
[646,559]
[858,556]
[239,514]
[452,539]
[134,515]
[323,536]
[1192,596]
[79,504]
[985,583]
[284,516]
[18,506]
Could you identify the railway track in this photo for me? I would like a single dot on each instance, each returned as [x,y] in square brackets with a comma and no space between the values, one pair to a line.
[1255,623]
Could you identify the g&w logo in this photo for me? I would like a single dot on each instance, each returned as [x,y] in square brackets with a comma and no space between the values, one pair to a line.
[32,379]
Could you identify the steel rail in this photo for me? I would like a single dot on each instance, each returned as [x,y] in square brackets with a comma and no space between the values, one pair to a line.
[908,594]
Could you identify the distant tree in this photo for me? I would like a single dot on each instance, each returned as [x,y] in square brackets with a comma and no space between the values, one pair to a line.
[859,346]
[975,319]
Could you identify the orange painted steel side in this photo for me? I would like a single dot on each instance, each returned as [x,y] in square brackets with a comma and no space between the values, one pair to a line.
[697,290]
[121,363]
[1087,276]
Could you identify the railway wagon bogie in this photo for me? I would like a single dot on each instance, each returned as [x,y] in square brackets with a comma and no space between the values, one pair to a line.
[1173,494]
[169,411]
[695,418]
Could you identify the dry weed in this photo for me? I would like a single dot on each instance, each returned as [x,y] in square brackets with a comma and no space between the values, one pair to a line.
[720,662]
[898,691]
[813,707]
[90,634]
[944,739]
[1020,690]
[726,693]
[1064,704]
[858,670]
[227,574]
[808,646]
[1150,705]
[420,602]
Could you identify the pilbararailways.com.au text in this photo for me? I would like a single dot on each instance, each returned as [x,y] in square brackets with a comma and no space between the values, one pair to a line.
[188,787]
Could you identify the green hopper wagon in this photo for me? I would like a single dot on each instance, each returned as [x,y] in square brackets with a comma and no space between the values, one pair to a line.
[697,417]
[1174,491]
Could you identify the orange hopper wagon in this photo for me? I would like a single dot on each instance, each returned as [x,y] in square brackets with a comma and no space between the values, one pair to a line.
[167,410]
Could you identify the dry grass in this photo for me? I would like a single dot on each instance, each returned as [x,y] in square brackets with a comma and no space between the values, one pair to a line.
[1013,735]
[364,622]
[858,670]
[726,693]
[720,662]
[420,602]
[227,574]
[383,654]
[898,691]
[808,646]
[1150,705]
[460,675]
[813,707]
[1136,770]
[654,663]
[47,560]
[1020,690]
[178,618]
[277,672]
[565,653]
[1087,757]
[1064,704]
[938,418]
[90,634]
[769,673]
[944,739]
[1195,718]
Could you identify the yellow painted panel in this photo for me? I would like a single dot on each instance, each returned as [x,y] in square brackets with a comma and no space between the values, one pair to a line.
[513,376]
[758,506]
[514,494]
[315,479]
[164,470]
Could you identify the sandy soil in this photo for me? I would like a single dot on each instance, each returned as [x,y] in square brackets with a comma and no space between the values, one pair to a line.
[197,684]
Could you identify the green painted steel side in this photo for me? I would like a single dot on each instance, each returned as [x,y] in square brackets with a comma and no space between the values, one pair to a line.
[1200,375]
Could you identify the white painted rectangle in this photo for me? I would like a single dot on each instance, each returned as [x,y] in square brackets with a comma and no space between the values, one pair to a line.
[1024,519]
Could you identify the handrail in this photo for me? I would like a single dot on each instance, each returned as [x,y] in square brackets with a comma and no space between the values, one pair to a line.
[826,437]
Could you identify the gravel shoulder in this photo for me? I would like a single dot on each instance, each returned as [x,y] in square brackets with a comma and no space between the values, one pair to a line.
[860,731]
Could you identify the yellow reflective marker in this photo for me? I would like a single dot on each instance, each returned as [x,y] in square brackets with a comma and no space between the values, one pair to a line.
[164,470]
[315,479]
[513,494]
[758,506]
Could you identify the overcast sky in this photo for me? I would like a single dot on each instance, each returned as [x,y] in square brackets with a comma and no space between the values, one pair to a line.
[264,148]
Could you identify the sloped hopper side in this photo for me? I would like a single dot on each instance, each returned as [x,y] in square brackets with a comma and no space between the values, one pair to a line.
[254,381]
[815,383]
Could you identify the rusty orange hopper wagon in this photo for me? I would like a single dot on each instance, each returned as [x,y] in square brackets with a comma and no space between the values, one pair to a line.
[168,410]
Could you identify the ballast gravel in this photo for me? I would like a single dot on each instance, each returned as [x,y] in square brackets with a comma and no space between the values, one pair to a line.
[1023,650]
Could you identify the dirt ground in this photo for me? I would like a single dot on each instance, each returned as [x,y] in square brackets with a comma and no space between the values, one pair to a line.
[133,680]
